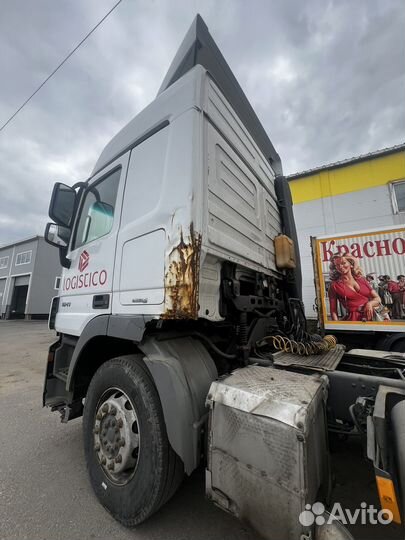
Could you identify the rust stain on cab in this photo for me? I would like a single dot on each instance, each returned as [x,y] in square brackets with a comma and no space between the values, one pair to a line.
[182,278]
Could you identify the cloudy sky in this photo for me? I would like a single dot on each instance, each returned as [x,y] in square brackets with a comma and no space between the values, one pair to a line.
[326,78]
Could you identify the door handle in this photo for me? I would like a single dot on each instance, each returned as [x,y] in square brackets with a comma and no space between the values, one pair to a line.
[101,301]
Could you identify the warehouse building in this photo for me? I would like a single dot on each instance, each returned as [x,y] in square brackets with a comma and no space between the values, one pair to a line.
[356,194]
[29,277]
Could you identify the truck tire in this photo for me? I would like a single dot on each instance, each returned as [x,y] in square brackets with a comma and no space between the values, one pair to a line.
[132,467]
[392,342]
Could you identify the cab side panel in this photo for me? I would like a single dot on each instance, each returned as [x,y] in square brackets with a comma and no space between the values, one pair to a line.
[243,216]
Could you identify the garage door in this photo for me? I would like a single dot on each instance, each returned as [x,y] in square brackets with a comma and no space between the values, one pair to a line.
[2,288]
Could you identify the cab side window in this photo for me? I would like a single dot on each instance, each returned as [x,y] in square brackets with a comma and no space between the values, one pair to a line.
[97,210]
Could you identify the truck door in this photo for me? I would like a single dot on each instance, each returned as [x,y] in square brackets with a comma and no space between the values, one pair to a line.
[86,289]
[141,241]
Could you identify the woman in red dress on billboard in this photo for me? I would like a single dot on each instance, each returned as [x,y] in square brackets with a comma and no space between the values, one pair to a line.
[353,291]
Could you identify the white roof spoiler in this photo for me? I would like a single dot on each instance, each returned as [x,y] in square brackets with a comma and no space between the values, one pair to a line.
[198,47]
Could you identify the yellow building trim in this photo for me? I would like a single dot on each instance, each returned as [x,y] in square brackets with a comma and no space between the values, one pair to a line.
[356,177]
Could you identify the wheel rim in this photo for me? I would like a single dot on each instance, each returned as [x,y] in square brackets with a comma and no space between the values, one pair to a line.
[116,436]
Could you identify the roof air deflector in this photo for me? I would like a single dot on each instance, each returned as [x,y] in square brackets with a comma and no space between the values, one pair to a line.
[198,47]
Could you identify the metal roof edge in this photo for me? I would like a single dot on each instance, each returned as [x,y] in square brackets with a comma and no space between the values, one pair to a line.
[349,161]
[22,241]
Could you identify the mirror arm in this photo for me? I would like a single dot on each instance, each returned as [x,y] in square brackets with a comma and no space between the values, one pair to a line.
[95,192]
[80,185]
[64,261]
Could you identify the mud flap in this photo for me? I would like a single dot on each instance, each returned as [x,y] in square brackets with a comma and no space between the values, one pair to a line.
[389,467]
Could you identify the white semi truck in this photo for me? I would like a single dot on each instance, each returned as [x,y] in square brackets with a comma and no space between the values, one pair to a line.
[181,337]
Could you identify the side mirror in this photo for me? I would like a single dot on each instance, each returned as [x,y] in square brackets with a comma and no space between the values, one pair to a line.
[58,236]
[62,206]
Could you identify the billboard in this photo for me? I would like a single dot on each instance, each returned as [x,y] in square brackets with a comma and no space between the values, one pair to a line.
[360,280]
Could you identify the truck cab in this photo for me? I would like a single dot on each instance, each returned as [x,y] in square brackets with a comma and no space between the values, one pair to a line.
[181,190]
[181,333]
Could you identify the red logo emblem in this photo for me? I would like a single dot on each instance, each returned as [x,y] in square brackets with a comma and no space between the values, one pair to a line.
[84,261]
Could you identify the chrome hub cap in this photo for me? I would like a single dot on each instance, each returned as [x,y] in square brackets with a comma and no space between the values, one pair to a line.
[116,436]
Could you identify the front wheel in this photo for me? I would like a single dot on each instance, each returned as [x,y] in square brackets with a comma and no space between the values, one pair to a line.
[133,469]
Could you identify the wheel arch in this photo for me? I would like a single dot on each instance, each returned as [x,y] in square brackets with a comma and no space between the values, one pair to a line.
[95,352]
[99,342]
[182,370]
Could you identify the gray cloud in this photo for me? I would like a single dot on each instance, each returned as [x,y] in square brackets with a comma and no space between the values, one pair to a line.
[326,78]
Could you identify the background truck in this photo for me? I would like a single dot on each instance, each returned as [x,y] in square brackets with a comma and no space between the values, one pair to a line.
[377,256]
[181,334]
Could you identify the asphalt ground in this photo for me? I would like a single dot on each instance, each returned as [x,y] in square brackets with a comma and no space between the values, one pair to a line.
[44,490]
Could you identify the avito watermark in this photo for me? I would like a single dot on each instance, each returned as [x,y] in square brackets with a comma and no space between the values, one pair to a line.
[365,515]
